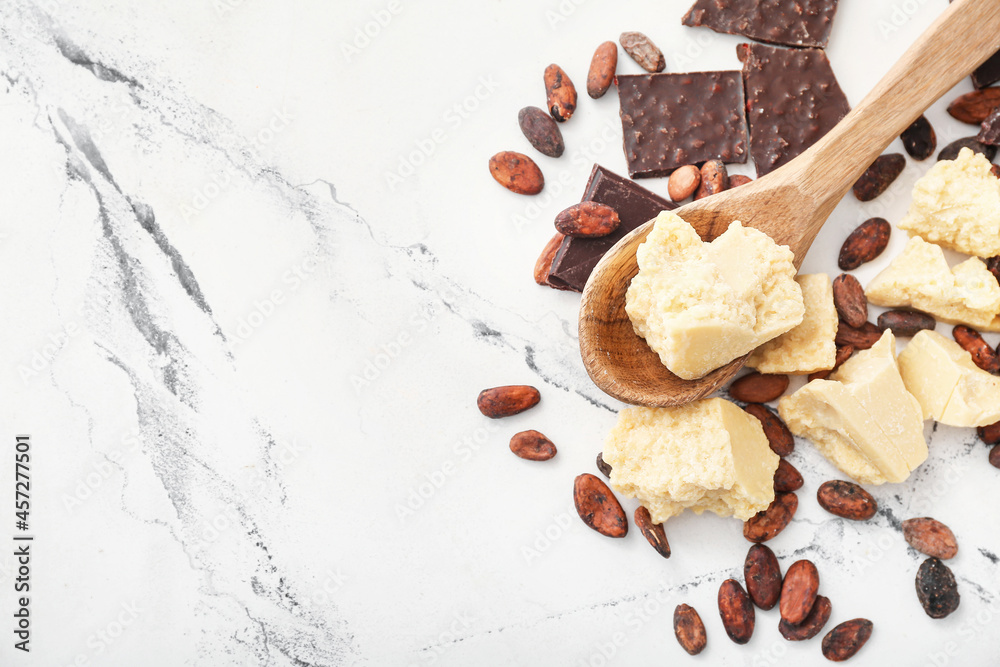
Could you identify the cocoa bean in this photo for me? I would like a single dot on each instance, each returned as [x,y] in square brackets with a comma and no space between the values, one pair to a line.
[543,265]
[714,179]
[994,456]
[643,51]
[973,108]
[532,445]
[598,507]
[602,69]
[587,219]
[689,629]
[560,93]
[517,172]
[762,573]
[683,182]
[736,180]
[603,466]
[905,323]
[937,589]
[798,591]
[736,611]
[931,537]
[990,434]
[653,532]
[758,387]
[860,338]
[508,400]
[844,353]
[919,139]
[812,625]
[541,131]
[849,299]
[951,151]
[779,437]
[847,500]
[972,342]
[993,263]
[764,525]
[787,478]
[846,639]
[864,244]
[879,176]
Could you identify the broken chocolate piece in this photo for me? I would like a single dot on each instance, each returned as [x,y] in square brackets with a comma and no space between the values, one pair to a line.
[670,120]
[989,132]
[635,205]
[788,22]
[793,99]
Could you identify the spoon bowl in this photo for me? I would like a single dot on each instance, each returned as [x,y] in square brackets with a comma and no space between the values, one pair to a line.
[790,204]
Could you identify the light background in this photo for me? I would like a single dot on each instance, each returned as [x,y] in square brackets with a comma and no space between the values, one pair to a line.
[254,422]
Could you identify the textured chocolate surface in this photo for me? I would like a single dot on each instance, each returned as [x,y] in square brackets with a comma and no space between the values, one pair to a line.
[793,99]
[577,257]
[989,132]
[789,22]
[670,120]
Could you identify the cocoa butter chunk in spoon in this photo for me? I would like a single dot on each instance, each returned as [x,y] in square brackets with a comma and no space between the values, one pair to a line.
[789,204]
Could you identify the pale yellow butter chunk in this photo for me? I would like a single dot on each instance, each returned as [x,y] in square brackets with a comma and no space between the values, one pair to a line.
[810,346]
[706,455]
[946,382]
[862,419]
[920,278]
[957,205]
[701,305]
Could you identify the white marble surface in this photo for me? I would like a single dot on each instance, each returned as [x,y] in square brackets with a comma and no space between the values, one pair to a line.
[248,357]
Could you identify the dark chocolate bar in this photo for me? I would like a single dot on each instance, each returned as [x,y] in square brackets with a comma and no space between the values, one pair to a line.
[670,120]
[793,99]
[788,22]
[635,205]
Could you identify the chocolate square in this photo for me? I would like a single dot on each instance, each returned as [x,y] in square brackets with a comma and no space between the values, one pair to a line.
[788,22]
[988,73]
[635,205]
[670,120]
[793,99]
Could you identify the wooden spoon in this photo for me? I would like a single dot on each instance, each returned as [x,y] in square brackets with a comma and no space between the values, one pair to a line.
[790,204]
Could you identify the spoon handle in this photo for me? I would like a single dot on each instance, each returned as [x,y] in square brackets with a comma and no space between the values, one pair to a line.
[965,35]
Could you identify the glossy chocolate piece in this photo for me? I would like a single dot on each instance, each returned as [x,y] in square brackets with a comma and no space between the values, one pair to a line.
[577,257]
[788,22]
[793,99]
[670,120]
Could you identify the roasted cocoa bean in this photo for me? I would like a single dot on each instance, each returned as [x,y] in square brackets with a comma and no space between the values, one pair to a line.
[508,400]
[517,172]
[931,537]
[598,507]
[683,182]
[603,466]
[602,69]
[846,639]
[541,131]
[758,387]
[973,108]
[972,342]
[864,244]
[787,478]
[736,611]
[951,151]
[905,323]
[990,434]
[689,629]
[778,436]
[919,139]
[560,93]
[812,625]
[643,51]
[714,179]
[849,299]
[736,180]
[588,219]
[860,338]
[937,589]
[653,532]
[879,176]
[844,353]
[532,445]
[847,500]
[764,525]
[762,573]
[798,591]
